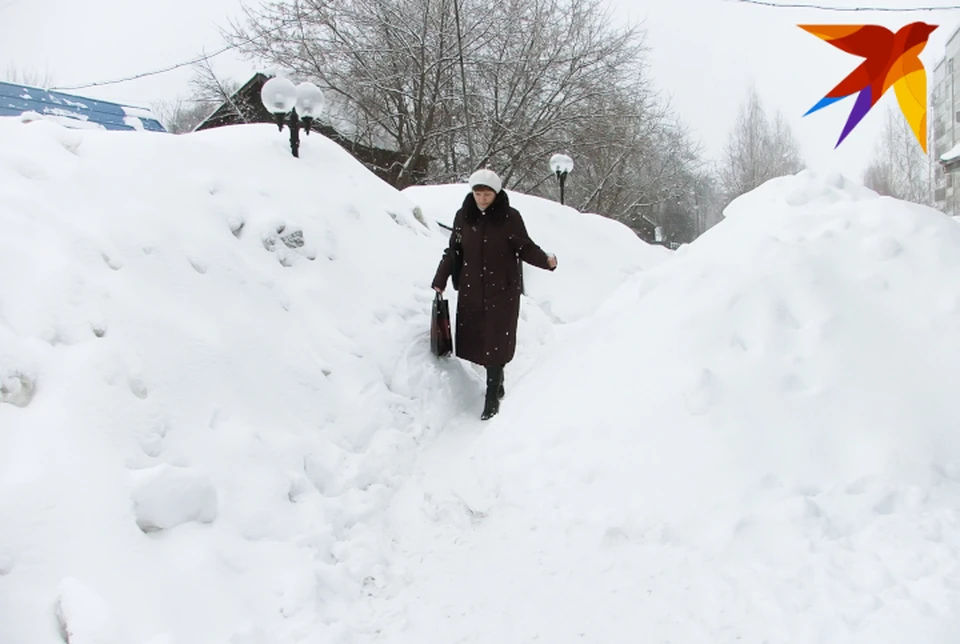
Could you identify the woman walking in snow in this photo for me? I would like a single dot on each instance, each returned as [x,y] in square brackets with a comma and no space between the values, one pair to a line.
[494,241]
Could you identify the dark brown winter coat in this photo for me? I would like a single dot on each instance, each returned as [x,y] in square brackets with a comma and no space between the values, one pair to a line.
[494,243]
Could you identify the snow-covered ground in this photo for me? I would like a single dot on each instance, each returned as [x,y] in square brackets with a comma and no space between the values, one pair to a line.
[758,441]
[220,421]
[215,376]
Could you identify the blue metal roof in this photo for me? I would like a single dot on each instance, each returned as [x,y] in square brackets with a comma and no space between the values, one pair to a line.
[16,99]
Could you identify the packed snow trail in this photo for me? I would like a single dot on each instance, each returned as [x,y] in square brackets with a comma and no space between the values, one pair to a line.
[753,442]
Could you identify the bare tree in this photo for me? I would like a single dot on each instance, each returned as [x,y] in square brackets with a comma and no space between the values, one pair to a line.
[708,200]
[207,85]
[207,92]
[540,75]
[30,77]
[757,150]
[785,156]
[392,65]
[451,79]
[182,115]
[468,87]
[900,168]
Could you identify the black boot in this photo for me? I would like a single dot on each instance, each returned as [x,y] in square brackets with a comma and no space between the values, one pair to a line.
[491,404]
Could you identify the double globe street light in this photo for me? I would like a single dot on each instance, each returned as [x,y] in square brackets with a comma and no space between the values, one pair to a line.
[295,105]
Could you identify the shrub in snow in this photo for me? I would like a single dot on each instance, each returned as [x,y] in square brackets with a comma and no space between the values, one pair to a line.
[166,496]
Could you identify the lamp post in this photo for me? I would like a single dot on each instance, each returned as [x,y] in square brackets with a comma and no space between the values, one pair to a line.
[295,105]
[561,165]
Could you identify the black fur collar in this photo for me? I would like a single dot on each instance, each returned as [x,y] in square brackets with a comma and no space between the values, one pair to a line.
[496,212]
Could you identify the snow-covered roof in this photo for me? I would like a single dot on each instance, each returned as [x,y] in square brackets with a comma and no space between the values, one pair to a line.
[951,155]
[74,111]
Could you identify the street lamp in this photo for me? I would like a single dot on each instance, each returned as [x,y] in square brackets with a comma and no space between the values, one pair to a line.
[561,165]
[295,105]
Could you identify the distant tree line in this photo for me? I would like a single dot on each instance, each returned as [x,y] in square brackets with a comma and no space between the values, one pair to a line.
[899,167]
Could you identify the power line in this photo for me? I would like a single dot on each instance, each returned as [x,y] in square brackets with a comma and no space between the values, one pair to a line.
[797,5]
[164,70]
[146,74]
[763,3]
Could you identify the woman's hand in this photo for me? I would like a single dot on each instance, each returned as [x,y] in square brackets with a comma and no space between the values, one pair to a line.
[552,261]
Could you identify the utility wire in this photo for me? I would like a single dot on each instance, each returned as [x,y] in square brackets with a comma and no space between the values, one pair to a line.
[819,7]
[164,70]
[762,3]
[146,74]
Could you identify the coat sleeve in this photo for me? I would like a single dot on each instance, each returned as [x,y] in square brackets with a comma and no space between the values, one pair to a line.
[446,261]
[524,246]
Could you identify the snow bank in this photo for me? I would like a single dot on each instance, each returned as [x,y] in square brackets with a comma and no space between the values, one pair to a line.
[214,373]
[188,324]
[759,445]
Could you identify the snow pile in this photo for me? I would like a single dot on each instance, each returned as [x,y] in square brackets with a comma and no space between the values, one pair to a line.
[762,444]
[220,421]
[165,496]
[214,372]
[200,343]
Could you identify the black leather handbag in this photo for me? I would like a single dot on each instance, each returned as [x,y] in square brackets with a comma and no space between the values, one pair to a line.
[441,336]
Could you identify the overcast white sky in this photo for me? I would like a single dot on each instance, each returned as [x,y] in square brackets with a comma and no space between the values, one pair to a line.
[704,53]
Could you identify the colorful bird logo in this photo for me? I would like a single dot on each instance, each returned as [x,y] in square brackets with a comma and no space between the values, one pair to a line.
[891,59]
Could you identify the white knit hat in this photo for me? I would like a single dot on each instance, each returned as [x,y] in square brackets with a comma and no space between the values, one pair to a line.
[487,178]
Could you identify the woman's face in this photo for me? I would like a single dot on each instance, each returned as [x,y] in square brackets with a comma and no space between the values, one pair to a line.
[484,196]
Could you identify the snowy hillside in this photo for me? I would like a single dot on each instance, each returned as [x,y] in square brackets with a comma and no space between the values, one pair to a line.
[214,375]
[760,444]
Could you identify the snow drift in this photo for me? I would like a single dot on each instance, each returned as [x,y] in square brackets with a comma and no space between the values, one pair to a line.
[756,441]
[214,373]
[220,421]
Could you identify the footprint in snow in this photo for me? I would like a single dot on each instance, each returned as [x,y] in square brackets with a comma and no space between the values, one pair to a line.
[784,315]
[30,170]
[792,383]
[703,393]
[138,388]
[198,265]
[113,264]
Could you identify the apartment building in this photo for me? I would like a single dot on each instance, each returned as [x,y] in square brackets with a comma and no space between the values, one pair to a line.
[945,126]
